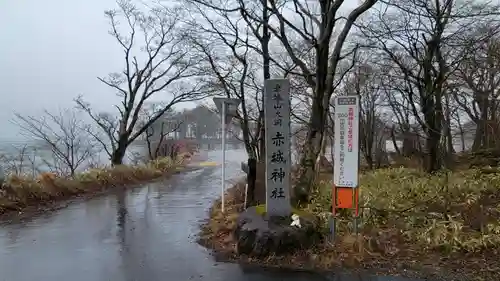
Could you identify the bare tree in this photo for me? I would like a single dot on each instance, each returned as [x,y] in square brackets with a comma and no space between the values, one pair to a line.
[478,86]
[20,160]
[160,146]
[156,134]
[365,81]
[256,15]
[233,74]
[315,27]
[419,38]
[226,44]
[164,71]
[64,135]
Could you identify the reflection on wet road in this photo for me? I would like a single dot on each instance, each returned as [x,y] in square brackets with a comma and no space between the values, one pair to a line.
[142,234]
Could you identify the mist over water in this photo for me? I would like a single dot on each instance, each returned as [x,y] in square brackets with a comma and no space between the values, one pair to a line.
[33,158]
[36,157]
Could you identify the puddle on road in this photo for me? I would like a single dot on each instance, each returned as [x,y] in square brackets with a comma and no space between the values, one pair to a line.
[141,234]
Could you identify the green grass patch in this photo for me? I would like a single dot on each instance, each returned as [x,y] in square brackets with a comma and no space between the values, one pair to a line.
[449,211]
[261,210]
[445,225]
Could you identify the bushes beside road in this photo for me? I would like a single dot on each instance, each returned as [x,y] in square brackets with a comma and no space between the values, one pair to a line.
[436,225]
[19,192]
[448,212]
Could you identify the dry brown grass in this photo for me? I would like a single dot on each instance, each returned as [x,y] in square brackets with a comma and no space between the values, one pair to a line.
[20,192]
[217,231]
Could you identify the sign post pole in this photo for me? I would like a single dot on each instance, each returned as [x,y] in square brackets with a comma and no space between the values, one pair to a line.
[345,191]
[223,180]
[227,108]
[333,219]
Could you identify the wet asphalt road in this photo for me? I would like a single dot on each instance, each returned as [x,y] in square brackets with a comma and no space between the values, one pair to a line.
[141,234]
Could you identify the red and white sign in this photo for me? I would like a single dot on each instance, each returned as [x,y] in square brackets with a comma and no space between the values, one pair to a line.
[346,128]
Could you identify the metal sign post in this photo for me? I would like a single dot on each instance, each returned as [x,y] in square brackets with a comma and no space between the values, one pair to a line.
[223,180]
[227,108]
[345,192]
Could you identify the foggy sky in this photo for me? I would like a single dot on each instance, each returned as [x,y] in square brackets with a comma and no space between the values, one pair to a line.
[50,52]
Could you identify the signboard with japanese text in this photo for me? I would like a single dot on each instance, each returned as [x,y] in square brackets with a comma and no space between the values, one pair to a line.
[278,150]
[346,129]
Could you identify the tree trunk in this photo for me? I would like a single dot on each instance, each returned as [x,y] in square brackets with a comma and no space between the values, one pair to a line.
[257,150]
[476,145]
[266,58]
[381,156]
[311,149]
[409,144]
[483,136]
[251,162]
[462,133]
[432,147]
[367,137]
[317,123]
[117,157]
[369,160]
[449,136]
[394,140]
[322,153]
[251,178]
[119,153]
[432,109]
[447,123]
[324,144]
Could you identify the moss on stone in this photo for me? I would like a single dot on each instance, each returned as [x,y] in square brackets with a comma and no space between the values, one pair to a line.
[261,210]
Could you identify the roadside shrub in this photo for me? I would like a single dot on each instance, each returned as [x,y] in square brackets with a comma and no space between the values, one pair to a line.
[449,211]
[163,164]
[19,191]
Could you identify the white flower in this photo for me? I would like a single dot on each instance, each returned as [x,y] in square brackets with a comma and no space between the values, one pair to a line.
[295,221]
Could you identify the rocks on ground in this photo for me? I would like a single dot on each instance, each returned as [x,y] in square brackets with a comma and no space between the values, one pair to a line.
[259,235]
